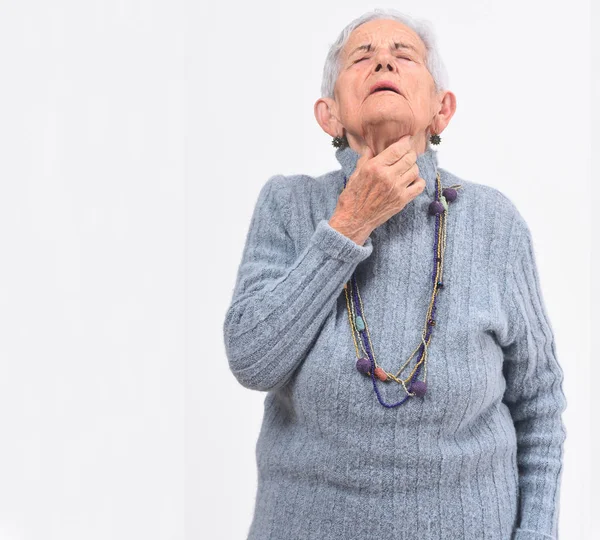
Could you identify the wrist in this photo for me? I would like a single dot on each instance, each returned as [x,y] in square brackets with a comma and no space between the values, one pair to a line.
[357,232]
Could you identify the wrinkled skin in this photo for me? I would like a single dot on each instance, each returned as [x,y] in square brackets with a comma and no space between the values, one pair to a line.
[379,119]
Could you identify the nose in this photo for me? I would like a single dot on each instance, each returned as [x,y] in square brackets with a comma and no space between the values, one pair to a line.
[390,67]
[384,59]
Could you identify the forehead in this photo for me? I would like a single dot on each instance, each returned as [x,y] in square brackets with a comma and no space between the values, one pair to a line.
[383,32]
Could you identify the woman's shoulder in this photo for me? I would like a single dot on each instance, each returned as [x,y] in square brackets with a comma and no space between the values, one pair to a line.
[285,188]
[301,181]
[301,188]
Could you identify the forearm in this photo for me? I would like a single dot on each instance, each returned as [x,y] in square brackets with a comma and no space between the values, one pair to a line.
[268,332]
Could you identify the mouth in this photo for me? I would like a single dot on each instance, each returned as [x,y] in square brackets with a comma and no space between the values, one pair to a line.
[384,86]
[383,90]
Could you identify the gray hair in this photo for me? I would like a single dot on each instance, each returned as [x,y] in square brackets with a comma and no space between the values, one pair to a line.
[422,27]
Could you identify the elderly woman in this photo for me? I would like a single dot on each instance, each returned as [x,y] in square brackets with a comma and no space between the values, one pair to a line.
[393,313]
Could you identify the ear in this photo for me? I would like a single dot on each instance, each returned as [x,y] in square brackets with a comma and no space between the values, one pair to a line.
[326,112]
[445,113]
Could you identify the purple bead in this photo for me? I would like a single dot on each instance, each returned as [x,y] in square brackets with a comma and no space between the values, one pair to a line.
[436,207]
[419,388]
[363,365]
[450,194]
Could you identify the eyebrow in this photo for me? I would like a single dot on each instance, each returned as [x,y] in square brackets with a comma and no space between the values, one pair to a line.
[368,47]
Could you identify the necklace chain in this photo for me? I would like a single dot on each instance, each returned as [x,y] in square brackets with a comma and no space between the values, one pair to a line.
[367,364]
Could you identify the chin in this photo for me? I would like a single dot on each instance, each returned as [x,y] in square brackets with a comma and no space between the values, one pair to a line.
[386,114]
[388,105]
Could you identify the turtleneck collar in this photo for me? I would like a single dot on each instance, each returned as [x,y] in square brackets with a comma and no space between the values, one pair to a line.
[427,163]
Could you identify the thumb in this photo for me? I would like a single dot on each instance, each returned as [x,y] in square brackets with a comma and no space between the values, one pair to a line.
[366,154]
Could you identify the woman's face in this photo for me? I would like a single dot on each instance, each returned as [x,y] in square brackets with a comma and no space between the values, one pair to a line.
[384,50]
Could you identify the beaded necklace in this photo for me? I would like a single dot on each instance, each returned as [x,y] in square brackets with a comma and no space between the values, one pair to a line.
[366,363]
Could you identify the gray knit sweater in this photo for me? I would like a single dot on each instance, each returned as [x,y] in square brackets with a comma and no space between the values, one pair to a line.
[479,456]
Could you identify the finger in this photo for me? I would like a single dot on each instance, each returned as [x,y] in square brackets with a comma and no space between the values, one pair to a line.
[416,187]
[395,151]
[406,167]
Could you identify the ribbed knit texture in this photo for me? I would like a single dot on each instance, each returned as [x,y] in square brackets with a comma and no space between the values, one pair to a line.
[480,455]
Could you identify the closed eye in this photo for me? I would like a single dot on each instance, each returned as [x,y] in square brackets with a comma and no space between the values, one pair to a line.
[366,57]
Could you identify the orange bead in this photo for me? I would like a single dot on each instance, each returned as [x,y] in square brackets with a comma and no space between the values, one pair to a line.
[380,374]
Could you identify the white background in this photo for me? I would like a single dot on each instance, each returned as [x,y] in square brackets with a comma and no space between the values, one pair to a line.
[92,290]
[135,137]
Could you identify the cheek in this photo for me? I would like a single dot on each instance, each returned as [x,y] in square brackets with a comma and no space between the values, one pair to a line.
[351,99]
[420,101]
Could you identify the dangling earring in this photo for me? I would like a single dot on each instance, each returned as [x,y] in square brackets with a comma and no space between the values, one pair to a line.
[435,139]
[340,142]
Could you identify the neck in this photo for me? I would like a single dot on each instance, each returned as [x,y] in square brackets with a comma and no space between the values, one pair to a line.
[383,140]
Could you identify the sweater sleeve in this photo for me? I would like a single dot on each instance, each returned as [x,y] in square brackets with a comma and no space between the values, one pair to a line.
[281,299]
[534,396]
